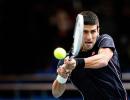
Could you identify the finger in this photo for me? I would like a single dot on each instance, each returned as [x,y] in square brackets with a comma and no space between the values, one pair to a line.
[62,70]
[70,61]
[66,59]
[58,71]
[70,58]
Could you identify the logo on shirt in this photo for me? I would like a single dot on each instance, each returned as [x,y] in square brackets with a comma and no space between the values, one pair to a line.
[93,53]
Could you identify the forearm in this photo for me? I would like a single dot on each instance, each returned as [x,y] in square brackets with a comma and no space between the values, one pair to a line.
[96,61]
[58,86]
[99,60]
[58,89]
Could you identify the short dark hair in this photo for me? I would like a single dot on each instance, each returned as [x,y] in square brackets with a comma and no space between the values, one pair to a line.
[90,18]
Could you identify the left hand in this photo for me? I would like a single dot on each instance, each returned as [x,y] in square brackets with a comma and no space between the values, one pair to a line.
[70,63]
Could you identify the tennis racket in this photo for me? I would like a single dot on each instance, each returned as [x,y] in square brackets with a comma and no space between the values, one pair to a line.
[78,36]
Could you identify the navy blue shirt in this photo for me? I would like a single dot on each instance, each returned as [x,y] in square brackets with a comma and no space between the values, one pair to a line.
[102,83]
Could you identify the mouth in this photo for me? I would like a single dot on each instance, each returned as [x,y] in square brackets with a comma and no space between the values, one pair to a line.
[89,43]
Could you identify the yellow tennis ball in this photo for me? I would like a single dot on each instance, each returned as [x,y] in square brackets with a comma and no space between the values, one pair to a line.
[59,53]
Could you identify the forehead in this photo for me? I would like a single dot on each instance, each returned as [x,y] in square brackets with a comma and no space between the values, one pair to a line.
[90,27]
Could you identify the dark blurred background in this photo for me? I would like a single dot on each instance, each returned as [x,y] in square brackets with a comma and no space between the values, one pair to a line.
[31,30]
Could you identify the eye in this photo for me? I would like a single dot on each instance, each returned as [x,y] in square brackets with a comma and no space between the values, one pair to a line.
[86,32]
[93,31]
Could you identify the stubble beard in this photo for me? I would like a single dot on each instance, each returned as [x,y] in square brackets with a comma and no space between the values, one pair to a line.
[85,48]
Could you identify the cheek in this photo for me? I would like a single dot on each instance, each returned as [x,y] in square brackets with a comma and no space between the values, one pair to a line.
[95,38]
[84,37]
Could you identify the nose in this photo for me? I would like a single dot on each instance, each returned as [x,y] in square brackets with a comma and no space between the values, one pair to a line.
[89,36]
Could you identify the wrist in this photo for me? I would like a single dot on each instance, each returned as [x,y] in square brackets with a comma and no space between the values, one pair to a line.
[61,79]
[80,62]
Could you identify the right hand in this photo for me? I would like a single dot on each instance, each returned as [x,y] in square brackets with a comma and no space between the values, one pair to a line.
[62,71]
[68,66]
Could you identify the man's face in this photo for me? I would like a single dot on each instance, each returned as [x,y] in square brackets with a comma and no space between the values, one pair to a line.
[91,32]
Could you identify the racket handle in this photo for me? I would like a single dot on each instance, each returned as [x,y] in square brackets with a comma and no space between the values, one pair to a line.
[70,53]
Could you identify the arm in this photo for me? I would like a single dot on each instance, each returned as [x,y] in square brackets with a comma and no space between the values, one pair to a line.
[57,87]
[100,60]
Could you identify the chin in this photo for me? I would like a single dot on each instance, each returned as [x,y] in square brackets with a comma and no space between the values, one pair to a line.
[87,47]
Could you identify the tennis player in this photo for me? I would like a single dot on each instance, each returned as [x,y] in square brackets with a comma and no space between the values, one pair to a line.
[95,71]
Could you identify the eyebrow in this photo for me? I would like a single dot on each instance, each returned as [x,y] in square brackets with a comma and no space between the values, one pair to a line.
[90,30]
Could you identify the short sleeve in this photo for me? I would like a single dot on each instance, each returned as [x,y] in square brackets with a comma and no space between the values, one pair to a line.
[106,41]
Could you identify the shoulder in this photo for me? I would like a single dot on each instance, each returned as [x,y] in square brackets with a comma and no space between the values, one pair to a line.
[105,40]
[105,36]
